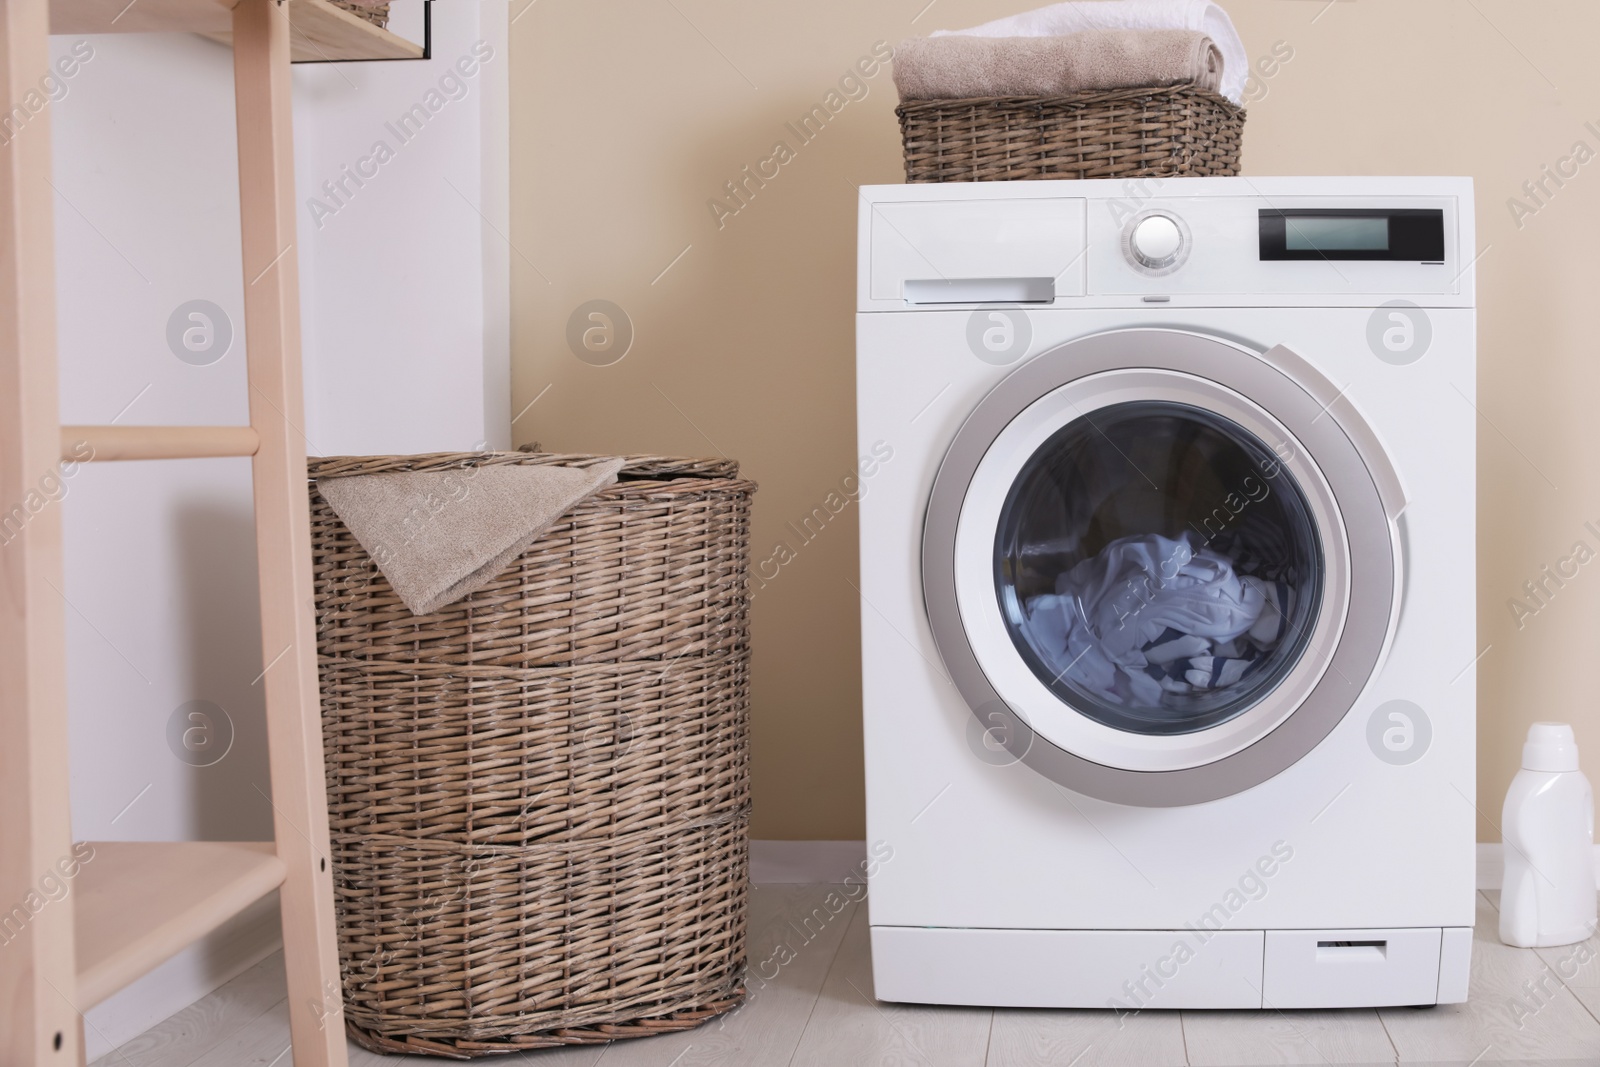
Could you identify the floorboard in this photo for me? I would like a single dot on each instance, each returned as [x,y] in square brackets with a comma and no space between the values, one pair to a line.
[1500,1022]
[205,1024]
[1036,1037]
[795,932]
[1247,1038]
[848,1026]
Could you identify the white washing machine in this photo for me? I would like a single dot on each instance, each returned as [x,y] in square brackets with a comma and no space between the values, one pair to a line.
[1167,591]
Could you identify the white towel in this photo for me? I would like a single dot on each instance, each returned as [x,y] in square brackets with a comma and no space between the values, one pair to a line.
[1076,15]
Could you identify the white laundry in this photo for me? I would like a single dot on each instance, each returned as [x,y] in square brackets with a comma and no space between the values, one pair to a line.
[1072,17]
[1150,615]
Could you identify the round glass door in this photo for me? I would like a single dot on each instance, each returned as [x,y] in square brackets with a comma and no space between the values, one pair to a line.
[1160,566]
[1157,567]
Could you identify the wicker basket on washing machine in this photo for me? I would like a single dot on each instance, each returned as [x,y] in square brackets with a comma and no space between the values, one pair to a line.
[1175,130]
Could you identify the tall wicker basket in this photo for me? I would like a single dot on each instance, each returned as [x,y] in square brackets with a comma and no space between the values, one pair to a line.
[1112,133]
[539,795]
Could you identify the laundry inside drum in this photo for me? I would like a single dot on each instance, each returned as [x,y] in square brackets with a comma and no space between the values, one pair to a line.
[1158,567]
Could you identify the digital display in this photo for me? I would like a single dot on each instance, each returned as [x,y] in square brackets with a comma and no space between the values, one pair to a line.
[1399,235]
[1350,233]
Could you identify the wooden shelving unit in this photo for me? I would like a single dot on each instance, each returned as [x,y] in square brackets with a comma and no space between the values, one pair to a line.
[134,905]
[318,31]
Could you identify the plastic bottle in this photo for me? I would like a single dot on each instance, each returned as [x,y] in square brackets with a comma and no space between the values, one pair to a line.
[1548,896]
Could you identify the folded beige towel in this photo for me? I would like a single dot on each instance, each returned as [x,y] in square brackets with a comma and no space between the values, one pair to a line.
[439,535]
[943,68]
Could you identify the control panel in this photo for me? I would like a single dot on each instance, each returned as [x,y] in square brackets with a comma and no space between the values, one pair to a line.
[1261,242]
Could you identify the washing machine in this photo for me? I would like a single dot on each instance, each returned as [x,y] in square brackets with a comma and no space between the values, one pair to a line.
[1167,591]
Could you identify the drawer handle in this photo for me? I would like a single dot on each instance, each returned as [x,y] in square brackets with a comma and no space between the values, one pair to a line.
[1352,950]
[980,290]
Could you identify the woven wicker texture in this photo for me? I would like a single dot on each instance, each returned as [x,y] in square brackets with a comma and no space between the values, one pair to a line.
[539,796]
[1179,130]
[375,13]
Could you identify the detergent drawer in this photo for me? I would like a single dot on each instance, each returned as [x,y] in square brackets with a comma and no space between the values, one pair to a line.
[978,251]
[1351,968]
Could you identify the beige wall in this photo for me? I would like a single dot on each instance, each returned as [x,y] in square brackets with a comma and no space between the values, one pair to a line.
[628,116]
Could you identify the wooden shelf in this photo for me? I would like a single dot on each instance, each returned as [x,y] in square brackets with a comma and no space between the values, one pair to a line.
[319,32]
[141,902]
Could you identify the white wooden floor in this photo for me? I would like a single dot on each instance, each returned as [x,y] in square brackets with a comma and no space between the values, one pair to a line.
[818,1011]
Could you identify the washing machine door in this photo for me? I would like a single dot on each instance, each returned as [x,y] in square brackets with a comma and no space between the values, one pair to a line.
[1160,566]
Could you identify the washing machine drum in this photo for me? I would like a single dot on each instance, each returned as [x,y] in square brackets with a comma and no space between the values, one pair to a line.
[1160,567]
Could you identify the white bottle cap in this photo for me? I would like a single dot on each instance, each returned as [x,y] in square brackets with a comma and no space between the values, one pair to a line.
[1551,746]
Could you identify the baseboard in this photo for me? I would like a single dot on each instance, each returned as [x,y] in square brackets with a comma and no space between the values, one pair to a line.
[806,862]
[239,944]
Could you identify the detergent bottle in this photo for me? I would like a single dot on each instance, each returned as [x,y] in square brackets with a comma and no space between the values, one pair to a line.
[1548,896]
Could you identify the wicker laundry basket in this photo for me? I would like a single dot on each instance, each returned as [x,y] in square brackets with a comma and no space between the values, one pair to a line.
[374,11]
[1116,133]
[539,795]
